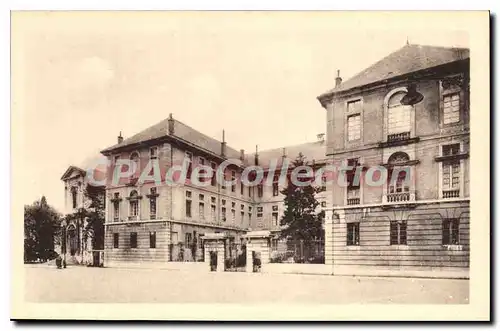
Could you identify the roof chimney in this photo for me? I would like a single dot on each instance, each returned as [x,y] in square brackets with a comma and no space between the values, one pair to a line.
[256,154]
[120,138]
[338,79]
[171,123]
[223,144]
[242,155]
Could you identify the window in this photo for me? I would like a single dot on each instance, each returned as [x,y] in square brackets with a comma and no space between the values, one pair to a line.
[451,231]
[188,203]
[398,116]
[133,239]
[153,153]
[452,149]
[74,195]
[260,190]
[213,199]
[249,191]
[152,203]
[152,240]
[201,210]
[242,216]
[223,214]
[116,240]
[323,204]
[214,175]
[353,183]
[275,219]
[188,239]
[116,206]
[134,204]
[233,215]
[323,182]
[451,179]
[189,160]
[354,106]
[275,186]
[275,208]
[188,208]
[116,158]
[259,212]
[202,171]
[213,215]
[353,234]
[242,206]
[398,232]
[242,188]
[398,188]
[354,127]
[451,108]
[201,197]
[134,157]
[233,179]
[223,202]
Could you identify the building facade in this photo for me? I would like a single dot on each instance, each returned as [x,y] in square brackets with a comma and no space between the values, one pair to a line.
[148,222]
[398,224]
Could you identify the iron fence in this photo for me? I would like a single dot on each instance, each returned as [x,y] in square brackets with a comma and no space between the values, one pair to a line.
[236,257]
[298,251]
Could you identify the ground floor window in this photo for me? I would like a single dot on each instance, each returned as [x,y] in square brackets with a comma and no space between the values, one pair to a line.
[451,231]
[133,240]
[152,240]
[116,240]
[398,233]
[353,234]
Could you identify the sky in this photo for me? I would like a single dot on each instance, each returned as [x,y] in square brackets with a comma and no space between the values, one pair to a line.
[81,78]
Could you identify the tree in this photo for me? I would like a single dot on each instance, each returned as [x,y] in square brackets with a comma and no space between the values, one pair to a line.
[41,230]
[301,220]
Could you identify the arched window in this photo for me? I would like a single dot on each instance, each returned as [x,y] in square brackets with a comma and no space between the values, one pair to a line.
[134,204]
[398,118]
[399,176]
[74,195]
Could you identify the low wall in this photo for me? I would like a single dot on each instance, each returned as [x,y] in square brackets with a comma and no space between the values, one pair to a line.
[297,268]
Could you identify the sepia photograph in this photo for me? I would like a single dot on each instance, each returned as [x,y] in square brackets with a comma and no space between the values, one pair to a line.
[250,165]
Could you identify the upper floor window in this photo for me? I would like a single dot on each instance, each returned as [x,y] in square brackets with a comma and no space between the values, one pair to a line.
[74,195]
[189,203]
[153,153]
[353,183]
[260,211]
[214,175]
[398,117]
[189,160]
[452,149]
[134,204]
[152,203]
[134,157]
[260,190]
[233,179]
[354,127]
[451,108]
[276,186]
[354,106]
[399,178]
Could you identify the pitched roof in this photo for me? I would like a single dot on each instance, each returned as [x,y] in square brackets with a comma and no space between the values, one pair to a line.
[313,151]
[96,164]
[182,132]
[408,59]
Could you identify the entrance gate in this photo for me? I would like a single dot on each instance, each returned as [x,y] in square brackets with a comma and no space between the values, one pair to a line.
[236,257]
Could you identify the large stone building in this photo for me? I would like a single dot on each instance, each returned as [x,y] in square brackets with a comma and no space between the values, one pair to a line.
[151,223]
[421,224]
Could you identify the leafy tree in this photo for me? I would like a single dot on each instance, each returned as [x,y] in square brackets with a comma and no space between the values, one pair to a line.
[301,220]
[41,231]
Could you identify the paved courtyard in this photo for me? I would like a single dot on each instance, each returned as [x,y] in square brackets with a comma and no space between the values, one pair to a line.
[99,285]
